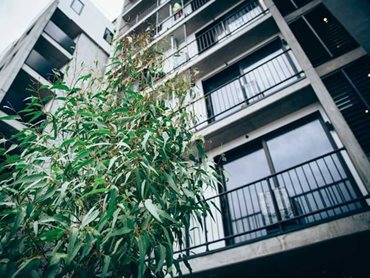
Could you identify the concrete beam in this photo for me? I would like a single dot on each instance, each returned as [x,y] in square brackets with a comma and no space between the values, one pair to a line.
[35,75]
[334,229]
[13,123]
[57,46]
[297,13]
[340,61]
[344,132]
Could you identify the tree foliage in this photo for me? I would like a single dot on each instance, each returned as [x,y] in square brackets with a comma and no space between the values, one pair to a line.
[106,184]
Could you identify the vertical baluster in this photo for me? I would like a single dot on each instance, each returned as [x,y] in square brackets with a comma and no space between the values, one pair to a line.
[205,231]
[274,202]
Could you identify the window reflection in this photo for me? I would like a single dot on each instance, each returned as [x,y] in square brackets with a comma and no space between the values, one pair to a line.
[293,176]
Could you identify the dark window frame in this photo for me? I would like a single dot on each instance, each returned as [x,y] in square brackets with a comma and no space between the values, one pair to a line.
[107,33]
[74,8]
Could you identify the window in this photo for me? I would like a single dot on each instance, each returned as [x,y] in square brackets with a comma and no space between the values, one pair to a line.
[108,35]
[260,74]
[293,174]
[77,6]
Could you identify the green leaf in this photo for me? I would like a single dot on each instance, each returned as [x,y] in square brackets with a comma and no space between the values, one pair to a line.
[100,132]
[152,209]
[11,148]
[143,247]
[161,256]
[90,217]
[95,191]
[107,260]
[27,266]
[145,140]
[120,232]
[10,117]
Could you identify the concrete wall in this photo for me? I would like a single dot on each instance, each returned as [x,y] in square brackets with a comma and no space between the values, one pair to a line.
[91,21]
[87,58]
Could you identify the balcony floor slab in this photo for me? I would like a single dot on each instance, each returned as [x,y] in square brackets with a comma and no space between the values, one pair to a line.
[319,234]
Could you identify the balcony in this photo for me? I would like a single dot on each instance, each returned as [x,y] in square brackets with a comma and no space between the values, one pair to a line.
[136,17]
[163,17]
[313,192]
[18,96]
[256,83]
[43,67]
[230,25]
[170,18]
[60,37]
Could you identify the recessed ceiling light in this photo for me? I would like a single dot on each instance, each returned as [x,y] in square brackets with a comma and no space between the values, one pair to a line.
[366,111]
[368,75]
[325,19]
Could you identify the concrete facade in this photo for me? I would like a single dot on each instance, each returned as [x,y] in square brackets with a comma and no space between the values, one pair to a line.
[68,36]
[246,99]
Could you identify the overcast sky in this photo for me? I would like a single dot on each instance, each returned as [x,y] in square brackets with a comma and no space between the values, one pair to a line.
[16,15]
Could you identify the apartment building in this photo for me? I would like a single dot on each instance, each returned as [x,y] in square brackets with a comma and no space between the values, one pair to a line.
[283,93]
[67,38]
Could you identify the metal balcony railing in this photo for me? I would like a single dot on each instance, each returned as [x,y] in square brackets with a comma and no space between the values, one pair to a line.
[310,193]
[42,66]
[130,22]
[230,25]
[265,78]
[185,11]
[60,37]
[169,21]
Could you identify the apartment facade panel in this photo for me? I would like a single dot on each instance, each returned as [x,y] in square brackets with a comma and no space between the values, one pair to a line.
[286,170]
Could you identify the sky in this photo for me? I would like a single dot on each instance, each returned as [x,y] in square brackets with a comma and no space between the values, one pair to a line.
[111,8]
[16,15]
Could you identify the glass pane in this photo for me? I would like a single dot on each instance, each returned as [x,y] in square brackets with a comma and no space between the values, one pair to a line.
[299,145]
[244,204]
[320,185]
[246,169]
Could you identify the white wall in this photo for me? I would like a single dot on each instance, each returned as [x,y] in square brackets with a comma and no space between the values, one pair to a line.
[91,21]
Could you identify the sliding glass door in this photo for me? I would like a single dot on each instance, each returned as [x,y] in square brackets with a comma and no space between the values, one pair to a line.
[293,176]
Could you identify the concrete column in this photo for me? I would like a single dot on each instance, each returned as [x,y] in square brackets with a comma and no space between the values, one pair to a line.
[344,132]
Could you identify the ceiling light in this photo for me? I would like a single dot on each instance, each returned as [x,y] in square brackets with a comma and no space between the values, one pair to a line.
[366,111]
[325,19]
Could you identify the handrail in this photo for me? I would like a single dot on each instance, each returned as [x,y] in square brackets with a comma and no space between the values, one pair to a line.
[358,199]
[300,207]
[188,58]
[183,10]
[276,174]
[208,94]
[149,12]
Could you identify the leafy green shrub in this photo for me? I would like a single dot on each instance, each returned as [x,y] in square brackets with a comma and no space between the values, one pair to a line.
[107,183]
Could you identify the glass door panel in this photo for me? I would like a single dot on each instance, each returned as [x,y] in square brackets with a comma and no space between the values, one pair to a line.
[244,205]
[313,186]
